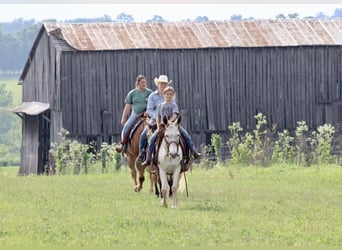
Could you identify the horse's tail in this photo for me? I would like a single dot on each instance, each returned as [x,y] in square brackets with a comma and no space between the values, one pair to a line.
[182,183]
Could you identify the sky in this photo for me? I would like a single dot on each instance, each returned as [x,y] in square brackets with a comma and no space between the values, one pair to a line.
[169,12]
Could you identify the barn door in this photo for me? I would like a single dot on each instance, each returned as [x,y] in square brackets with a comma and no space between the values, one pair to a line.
[44,142]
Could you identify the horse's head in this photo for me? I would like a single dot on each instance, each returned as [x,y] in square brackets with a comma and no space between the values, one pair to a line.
[172,136]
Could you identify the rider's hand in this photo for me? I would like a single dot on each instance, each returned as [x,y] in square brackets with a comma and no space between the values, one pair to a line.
[123,121]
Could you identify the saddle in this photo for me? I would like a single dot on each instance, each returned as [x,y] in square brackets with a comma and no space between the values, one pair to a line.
[186,160]
[138,121]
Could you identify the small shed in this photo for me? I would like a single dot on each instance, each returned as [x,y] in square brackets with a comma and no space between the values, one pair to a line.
[77,75]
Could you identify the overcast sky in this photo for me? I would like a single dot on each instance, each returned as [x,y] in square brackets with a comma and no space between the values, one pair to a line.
[170,12]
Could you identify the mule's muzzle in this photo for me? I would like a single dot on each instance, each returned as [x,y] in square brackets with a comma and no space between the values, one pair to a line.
[174,155]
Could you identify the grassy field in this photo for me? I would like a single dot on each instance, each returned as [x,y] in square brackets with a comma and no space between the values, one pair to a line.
[227,206]
[11,84]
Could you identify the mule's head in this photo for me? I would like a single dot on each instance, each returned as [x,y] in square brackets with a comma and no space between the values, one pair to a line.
[172,137]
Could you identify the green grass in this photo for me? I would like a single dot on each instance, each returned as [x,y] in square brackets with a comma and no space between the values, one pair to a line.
[276,206]
[11,84]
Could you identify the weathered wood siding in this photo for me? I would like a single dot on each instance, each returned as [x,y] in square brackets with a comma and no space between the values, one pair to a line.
[40,85]
[29,147]
[215,87]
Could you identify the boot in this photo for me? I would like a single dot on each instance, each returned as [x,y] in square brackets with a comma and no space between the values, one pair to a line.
[141,157]
[148,160]
[195,153]
[119,147]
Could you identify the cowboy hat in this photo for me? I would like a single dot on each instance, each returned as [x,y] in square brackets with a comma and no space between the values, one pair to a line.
[162,78]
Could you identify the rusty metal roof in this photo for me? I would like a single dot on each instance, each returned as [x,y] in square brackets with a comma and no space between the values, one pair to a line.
[251,33]
[31,108]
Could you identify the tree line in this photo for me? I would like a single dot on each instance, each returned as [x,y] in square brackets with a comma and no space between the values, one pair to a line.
[17,37]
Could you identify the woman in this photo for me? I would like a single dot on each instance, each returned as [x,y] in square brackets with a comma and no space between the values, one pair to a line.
[135,105]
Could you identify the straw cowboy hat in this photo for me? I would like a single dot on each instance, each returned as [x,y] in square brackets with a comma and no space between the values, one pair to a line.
[162,78]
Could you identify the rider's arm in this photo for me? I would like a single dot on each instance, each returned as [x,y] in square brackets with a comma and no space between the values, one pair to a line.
[158,120]
[175,112]
[150,107]
[125,113]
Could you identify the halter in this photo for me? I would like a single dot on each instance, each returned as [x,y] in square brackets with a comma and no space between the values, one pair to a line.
[168,143]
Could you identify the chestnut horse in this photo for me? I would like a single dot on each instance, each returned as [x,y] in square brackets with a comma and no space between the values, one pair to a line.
[132,154]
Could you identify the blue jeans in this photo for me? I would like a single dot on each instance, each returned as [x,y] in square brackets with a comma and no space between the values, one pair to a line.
[152,141]
[128,125]
[187,137]
[183,132]
[143,140]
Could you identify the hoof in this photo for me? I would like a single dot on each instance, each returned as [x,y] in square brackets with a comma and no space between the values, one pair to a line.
[137,189]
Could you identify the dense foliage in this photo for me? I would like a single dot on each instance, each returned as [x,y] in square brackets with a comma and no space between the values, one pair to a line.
[9,130]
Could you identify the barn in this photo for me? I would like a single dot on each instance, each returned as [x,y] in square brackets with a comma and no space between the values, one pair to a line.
[77,75]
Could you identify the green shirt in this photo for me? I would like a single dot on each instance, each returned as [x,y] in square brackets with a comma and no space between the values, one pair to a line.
[138,100]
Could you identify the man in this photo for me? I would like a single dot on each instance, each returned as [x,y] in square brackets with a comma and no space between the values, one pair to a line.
[153,101]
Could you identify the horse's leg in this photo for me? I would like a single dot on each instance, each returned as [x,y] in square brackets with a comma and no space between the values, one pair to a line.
[164,186]
[175,177]
[151,181]
[141,171]
[131,165]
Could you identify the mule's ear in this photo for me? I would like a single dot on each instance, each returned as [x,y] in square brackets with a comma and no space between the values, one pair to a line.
[165,119]
[179,119]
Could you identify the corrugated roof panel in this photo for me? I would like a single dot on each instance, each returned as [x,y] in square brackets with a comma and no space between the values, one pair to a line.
[109,36]
[309,33]
[333,28]
[242,33]
[174,37]
[296,33]
[147,32]
[202,35]
[187,34]
[283,34]
[231,36]
[254,30]
[251,33]
[82,34]
[160,37]
[94,35]
[122,35]
[271,38]
[214,35]
[226,36]
[320,31]
[133,33]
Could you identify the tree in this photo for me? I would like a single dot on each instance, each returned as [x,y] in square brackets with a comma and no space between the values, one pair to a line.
[321,15]
[293,15]
[156,19]
[9,130]
[236,17]
[124,18]
[201,19]
[281,16]
[337,13]
[289,16]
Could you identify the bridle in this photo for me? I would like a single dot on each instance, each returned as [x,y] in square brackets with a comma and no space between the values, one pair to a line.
[169,143]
